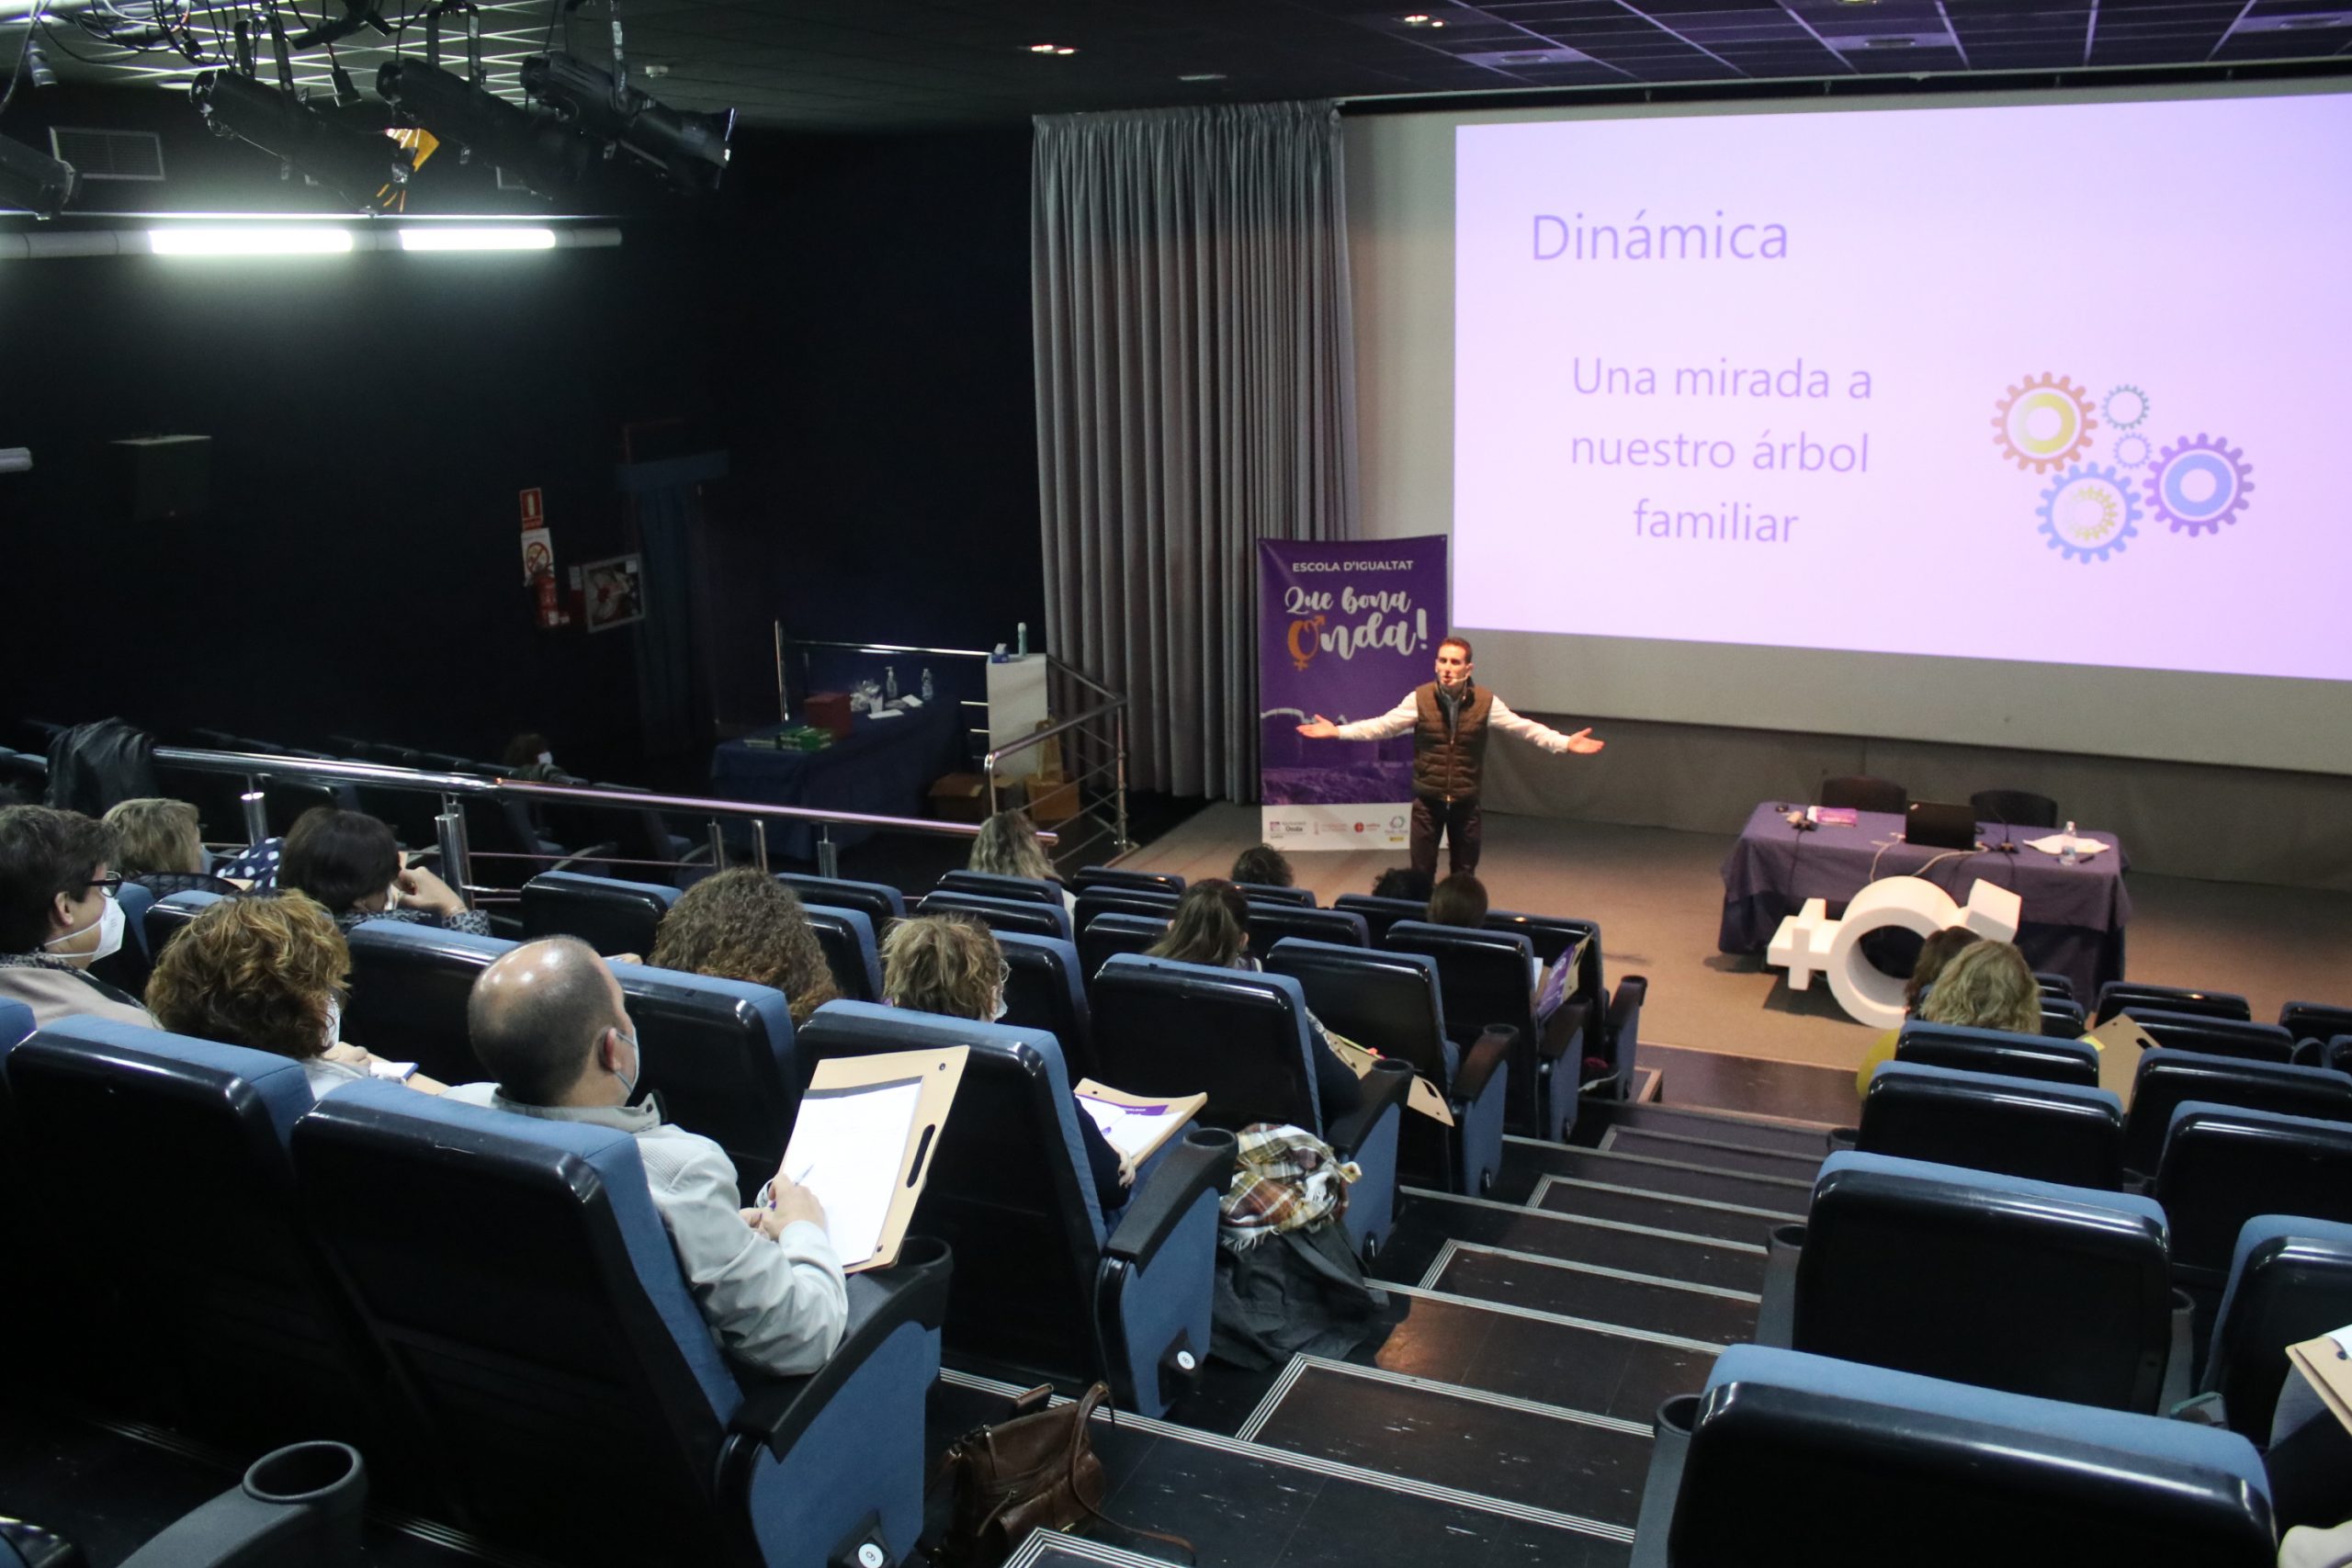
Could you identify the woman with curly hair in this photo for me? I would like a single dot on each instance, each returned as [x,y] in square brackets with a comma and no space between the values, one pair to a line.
[745,925]
[1987,985]
[269,975]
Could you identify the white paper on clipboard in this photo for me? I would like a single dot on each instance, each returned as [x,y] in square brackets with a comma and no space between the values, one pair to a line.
[848,1145]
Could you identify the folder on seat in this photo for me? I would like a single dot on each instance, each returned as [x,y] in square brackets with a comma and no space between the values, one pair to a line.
[863,1141]
[1421,1095]
[2327,1364]
[1136,1124]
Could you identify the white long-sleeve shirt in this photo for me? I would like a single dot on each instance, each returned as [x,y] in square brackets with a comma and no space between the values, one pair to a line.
[778,1306]
[1405,715]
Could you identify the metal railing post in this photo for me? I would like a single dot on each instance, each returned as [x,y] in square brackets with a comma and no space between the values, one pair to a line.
[718,846]
[759,845]
[1119,776]
[457,854]
[829,855]
[257,811]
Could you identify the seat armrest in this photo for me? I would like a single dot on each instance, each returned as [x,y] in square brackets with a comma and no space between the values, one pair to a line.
[1625,1005]
[1200,1162]
[776,1410]
[1555,1032]
[1387,1083]
[1478,1064]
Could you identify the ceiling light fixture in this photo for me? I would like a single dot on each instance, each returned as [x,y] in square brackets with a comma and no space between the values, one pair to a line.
[1204,77]
[38,70]
[1065,49]
[33,180]
[546,155]
[690,148]
[459,239]
[363,166]
[1041,49]
[264,240]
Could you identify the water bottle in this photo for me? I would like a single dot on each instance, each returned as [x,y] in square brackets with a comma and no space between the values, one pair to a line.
[2066,855]
[926,688]
[1021,640]
[889,683]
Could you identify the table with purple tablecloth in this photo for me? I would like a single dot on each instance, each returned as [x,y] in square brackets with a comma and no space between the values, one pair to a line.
[884,768]
[2073,916]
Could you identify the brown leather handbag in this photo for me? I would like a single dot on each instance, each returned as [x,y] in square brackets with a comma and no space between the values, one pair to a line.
[1037,1471]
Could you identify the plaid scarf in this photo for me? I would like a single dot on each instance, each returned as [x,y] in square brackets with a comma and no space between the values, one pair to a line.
[1283,1178]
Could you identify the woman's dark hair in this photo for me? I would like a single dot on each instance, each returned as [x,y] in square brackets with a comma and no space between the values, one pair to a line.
[1460,900]
[1403,882]
[338,857]
[44,853]
[1265,866]
[1938,950]
[1211,925]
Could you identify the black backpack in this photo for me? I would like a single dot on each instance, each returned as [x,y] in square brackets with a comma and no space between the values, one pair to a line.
[95,766]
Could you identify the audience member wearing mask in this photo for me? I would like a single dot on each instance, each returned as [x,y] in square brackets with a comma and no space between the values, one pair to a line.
[269,975]
[347,860]
[59,915]
[954,967]
[160,845]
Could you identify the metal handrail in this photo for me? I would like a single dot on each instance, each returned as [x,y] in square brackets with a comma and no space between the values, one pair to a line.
[1039,737]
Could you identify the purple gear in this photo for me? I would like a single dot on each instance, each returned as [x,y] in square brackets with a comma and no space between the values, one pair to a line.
[2213,457]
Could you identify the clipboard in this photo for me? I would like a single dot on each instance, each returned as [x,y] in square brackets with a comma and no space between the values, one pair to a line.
[834,1148]
[2324,1366]
[1174,1110]
[1422,1096]
[2120,1042]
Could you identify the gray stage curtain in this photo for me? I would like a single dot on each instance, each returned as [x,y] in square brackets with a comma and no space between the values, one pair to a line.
[1195,394]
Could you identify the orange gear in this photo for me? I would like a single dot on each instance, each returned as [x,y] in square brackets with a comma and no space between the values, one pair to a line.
[2038,450]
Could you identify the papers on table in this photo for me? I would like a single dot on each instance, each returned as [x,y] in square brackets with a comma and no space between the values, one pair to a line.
[2056,844]
[862,1143]
[1132,1125]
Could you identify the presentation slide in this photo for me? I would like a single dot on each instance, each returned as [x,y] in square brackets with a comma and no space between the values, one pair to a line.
[2051,383]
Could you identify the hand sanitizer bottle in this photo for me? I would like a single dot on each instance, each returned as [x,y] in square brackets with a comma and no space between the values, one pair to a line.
[890,683]
[926,688]
[2066,855]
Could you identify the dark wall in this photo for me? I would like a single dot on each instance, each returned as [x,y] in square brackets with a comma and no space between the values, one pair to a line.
[850,317]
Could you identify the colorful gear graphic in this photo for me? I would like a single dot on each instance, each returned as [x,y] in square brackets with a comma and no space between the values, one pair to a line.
[2132,450]
[2199,485]
[2089,513]
[2132,399]
[2042,423]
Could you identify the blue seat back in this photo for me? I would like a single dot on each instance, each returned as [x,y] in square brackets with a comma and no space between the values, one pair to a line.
[1046,991]
[1271,923]
[1268,893]
[721,1055]
[1008,1188]
[2121,996]
[2215,1036]
[2060,1293]
[16,1022]
[2062,1019]
[2224,1164]
[2166,1079]
[1997,1051]
[1093,902]
[1551,935]
[1001,914]
[1379,914]
[2059,985]
[166,916]
[2291,1280]
[1845,1459]
[1109,935]
[2044,1132]
[606,913]
[225,1313]
[1236,1035]
[2315,1021]
[1126,876]
[1021,889]
[1485,975]
[409,986]
[1388,1002]
[879,902]
[519,1276]
[851,953]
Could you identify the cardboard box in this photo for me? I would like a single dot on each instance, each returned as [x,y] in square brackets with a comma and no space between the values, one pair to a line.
[960,797]
[1051,800]
[828,711]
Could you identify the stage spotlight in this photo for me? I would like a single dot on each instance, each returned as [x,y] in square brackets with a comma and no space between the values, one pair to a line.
[690,148]
[546,155]
[38,70]
[362,166]
[33,181]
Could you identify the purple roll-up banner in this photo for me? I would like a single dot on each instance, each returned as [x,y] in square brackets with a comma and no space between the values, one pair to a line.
[1346,631]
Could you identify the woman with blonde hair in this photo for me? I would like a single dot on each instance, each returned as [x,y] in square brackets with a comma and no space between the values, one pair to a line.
[1007,846]
[269,975]
[1987,985]
[1936,952]
[160,845]
[745,925]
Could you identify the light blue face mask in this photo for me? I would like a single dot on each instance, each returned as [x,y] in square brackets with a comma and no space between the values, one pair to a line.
[628,1084]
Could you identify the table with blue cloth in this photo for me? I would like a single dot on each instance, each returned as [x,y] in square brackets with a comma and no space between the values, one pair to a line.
[2073,915]
[884,768]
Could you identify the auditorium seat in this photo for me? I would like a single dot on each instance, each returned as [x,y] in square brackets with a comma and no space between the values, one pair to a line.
[2062,1019]
[2117,996]
[2166,1079]
[2057,985]
[1549,935]
[2291,1280]
[1997,1051]
[1484,976]
[2315,1021]
[1041,1282]
[2015,808]
[2041,1131]
[1267,892]
[851,953]
[1044,989]
[1270,923]
[606,913]
[1115,933]
[516,1273]
[1125,876]
[409,986]
[1094,901]
[16,1022]
[1240,1037]
[1860,792]
[2214,1036]
[219,1318]
[1792,1457]
[2062,1292]
[879,901]
[1025,889]
[999,914]
[1379,914]
[1608,1020]
[1391,1003]
[2224,1164]
[165,916]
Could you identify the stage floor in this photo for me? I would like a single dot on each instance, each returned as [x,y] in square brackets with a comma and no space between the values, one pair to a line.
[1657,894]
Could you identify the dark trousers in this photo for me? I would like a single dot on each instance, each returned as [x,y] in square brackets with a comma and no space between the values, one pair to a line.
[1457,819]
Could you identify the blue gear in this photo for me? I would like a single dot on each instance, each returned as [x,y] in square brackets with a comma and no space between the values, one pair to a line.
[2133,450]
[2090,512]
[2128,395]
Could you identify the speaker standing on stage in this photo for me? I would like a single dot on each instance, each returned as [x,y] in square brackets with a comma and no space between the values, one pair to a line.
[1449,718]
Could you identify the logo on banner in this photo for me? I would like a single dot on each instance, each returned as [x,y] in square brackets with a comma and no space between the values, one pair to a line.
[1304,631]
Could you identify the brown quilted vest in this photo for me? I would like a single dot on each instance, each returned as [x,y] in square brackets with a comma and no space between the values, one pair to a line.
[1447,761]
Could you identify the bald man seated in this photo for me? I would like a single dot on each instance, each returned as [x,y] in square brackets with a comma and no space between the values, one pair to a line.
[549,1019]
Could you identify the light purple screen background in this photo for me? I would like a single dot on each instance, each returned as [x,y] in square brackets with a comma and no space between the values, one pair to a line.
[2195,251]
